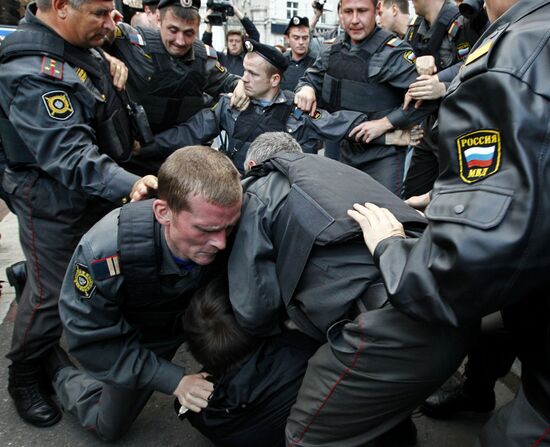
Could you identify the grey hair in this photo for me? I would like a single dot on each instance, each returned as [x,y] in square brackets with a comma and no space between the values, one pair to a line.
[45,5]
[270,144]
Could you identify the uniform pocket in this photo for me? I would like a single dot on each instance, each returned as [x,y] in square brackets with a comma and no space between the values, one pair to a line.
[482,207]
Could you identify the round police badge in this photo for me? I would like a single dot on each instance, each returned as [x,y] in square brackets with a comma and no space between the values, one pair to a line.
[249,47]
[296,20]
[186,3]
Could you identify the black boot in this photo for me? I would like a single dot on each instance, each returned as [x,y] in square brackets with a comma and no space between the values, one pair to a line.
[17,277]
[444,404]
[31,401]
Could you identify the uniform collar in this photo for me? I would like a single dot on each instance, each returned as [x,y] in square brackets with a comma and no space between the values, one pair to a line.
[279,98]
[168,263]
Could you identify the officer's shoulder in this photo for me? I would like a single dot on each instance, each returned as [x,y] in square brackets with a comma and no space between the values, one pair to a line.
[415,20]
[456,26]
[102,242]
[209,51]
[125,31]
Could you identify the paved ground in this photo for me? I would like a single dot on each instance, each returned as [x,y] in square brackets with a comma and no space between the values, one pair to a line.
[158,425]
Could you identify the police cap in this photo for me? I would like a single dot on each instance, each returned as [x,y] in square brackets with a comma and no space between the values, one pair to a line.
[297,21]
[150,2]
[195,4]
[269,53]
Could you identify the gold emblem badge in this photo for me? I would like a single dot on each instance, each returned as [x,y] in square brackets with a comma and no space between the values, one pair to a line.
[83,281]
[58,105]
[479,154]
[220,67]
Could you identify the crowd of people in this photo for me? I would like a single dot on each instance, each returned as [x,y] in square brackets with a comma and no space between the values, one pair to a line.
[377,195]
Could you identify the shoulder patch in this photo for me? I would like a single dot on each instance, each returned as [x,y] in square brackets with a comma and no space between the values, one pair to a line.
[479,154]
[83,281]
[329,41]
[58,105]
[454,29]
[415,20]
[118,32]
[106,268]
[479,52]
[81,73]
[211,52]
[220,67]
[394,42]
[462,50]
[409,56]
[136,39]
[316,115]
[51,67]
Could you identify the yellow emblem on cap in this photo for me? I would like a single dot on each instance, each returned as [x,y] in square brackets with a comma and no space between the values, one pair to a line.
[58,105]
[83,281]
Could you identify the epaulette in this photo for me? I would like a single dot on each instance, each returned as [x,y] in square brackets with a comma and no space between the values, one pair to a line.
[211,52]
[106,268]
[394,42]
[481,51]
[51,67]
[455,27]
[81,73]
[415,20]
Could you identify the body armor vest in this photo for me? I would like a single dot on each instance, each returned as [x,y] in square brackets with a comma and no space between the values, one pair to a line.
[315,214]
[175,91]
[346,84]
[255,121]
[144,304]
[112,124]
[431,46]
[294,72]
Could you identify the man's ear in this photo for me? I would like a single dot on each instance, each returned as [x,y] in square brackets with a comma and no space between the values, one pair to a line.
[60,7]
[157,15]
[275,80]
[163,213]
[394,9]
[249,165]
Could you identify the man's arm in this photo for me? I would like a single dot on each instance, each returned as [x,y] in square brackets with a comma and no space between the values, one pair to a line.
[219,80]
[97,334]
[249,27]
[310,85]
[61,140]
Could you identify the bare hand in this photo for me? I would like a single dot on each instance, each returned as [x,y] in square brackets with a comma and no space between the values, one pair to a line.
[404,137]
[143,187]
[425,65]
[306,100]
[193,391]
[370,130]
[419,202]
[377,224]
[426,88]
[119,71]
[239,100]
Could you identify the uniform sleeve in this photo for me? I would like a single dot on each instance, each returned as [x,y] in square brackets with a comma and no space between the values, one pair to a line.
[101,339]
[219,79]
[253,285]
[324,125]
[486,244]
[53,123]
[207,38]
[199,129]
[314,75]
[250,29]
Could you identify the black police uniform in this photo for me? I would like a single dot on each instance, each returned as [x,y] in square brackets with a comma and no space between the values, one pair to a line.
[121,305]
[64,120]
[295,70]
[487,244]
[322,276]
[371,77]
[171,89]
[449,41]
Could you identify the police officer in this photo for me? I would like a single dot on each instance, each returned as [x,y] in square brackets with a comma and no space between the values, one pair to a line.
[170,70]
[368,70]
[299,55]
[473,259]
[272,109]
[63,130]
[438,30]
[129,282]
[297,253]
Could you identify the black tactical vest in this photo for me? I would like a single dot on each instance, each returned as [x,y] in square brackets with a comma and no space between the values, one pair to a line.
[448,14]
[114,136]
[144,304]
[346,84]
[255,121]
[294,72]
[175,91]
